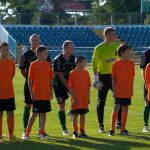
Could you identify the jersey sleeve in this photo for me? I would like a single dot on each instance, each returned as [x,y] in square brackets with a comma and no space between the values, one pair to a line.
[51,73]
[133,69]
[113,73]
[22,63]
[147,74]
[89,80]
[14,69]
[57,66]
[95,59]
[70,81]
[31,71]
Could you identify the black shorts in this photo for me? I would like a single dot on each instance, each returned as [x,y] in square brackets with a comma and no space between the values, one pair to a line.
[80,111]
[7,104]
[27,97]
[41,106]
[61,93]
[123,101]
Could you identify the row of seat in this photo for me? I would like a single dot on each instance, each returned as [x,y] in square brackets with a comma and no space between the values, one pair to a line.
[81,36]
[137,37]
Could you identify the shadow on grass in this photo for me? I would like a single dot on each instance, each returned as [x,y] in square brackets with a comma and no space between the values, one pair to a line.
[67,143]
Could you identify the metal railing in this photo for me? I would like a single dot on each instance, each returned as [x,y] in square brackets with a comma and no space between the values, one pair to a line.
[77,18]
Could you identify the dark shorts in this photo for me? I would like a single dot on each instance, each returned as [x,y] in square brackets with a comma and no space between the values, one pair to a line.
[80,111]
[61,93]
[27,97]
[41,106]
[7,104]
[123,101]
[107,85]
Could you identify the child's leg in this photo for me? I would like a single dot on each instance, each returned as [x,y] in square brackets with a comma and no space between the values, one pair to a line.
[124,117]
[1,119]
[75,123]
[10,122]
[42,123]
[114,116]
[82,123]
[31,122]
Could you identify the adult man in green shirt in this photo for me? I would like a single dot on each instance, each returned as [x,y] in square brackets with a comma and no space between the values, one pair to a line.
[103,57]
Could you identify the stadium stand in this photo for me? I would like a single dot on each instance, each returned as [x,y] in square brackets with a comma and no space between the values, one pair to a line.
[135,36]
[84,38]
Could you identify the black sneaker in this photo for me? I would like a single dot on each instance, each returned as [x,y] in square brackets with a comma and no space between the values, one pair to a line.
[118,125]
[83,135]
[124,133]
[75,135]
[111,133]
[101,130]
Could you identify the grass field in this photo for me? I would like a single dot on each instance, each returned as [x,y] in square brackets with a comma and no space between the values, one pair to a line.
[135,141]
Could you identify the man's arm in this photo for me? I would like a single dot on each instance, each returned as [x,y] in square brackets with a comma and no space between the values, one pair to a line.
[30,88]
[51,87]
[24,73]
[63,80]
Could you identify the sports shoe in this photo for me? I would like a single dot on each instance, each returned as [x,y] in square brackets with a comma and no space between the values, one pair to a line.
[65,132]
[70,114]
[25,136]
[111,133]
[42,136]
[45,134]
[145,129]
[75,135]
[118,125]
[12,138]
[124,133]
[101,130]
[83,135]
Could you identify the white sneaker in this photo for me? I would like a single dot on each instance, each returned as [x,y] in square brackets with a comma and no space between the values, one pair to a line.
[145,129]
[65,132]
[101,130]
[42,136]
[25,136]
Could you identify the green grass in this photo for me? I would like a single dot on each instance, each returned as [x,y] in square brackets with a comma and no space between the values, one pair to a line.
[135,141]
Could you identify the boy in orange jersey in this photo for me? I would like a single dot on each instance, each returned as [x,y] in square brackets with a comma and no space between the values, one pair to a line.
[79,86]
[147,80]
[7,102]
[40,86]
[122,83]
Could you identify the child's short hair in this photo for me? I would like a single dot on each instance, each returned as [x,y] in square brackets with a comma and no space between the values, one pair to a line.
[66,43]
[3,43]
[40,49]
[108,30]
[122,48]
[80,59]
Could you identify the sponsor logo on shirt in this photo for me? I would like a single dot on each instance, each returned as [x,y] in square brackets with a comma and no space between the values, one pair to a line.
[110,60]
